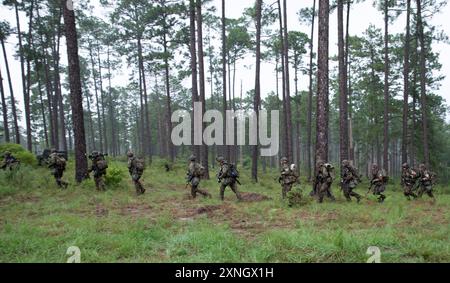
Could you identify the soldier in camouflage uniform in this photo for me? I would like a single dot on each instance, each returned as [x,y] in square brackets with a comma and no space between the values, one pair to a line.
[136,169]
[98,169]
[409,179]
[323,181]
[288,177]
[349,179]
[425,181]
[9,161]
[194,174]
[378,181]
[225,179]
[58,165]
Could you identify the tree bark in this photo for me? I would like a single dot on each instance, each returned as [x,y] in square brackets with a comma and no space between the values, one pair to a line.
[423,86]
[75,93]
[97,100]
[343,98]
[11,92]
[406,71]
[257,98]
[201,65]
[194,77]
[4,110]
[386,87]
[323,83]
[226,149]
[310,97]
[287,86]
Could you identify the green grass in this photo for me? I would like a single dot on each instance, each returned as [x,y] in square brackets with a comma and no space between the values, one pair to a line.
[39,222]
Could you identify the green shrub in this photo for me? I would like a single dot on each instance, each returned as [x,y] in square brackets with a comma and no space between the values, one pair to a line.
[19,152]
[114,176]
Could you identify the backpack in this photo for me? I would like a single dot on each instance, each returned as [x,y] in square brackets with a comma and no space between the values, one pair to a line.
[139,165]
[102,164]
[384,176]
[233,172]
[60,162]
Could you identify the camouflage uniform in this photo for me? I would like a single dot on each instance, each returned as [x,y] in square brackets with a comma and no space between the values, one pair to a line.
[288,177]
[98,173]
[135,173]
[409,179]
[226,180]
[425,181]
[379,181]
[349,180]
[58,168]
[193,177]
[324,179]
[9,161]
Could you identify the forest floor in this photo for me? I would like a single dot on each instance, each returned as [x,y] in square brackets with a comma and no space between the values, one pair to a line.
[39,222]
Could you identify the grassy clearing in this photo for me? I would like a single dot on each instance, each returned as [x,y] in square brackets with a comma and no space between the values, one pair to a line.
[38,223]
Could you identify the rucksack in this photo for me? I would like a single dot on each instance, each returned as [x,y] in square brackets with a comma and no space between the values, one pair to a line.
[60,162]
[233,172]
[102,164]
[139,165]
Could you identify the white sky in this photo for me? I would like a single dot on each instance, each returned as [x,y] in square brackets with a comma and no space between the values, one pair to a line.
[362,15]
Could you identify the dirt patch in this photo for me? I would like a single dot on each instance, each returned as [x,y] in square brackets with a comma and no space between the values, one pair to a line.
[101,211]
[136,210]
[254,197]
[208,209]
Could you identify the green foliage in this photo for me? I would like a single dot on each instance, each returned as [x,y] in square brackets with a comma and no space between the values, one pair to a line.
[114,176]
[296,198]
[19,152]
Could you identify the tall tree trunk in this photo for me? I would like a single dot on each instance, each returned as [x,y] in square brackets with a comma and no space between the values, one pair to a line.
[323,83]
[4,110]
[90,122]
[287,86]
[111,107]
[310,97]
[24,84]
[170,148]
[226,149]
[51,110]
[351,149]
[257,98]
[285,134]
[201,66]
[102,99]
[41,101]
[423,86]
[195,96]
[75,93]
[386,87]
[97,100]
[11,92]
[297,119]
[147,131]
[406,84]
[343,98]
[62,142]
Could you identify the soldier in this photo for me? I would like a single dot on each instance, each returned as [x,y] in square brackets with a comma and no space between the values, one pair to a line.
[323,181]
[9,161]
[288,177]
[227,177]
[349,179]
[425,181]
[409,179]
[379,180]
[58,164]
[99,166]
[194,173]
[136,168]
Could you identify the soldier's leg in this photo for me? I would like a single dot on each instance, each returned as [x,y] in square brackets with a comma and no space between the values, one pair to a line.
[329,193]
[194,191]
[97,183]
[203,193]
[321,192]
[347,192]
[284,190]
[234,188]
[222,192]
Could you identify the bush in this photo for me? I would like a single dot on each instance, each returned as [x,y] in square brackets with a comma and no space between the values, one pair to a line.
[296,198]
[19,152]
[114,176]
